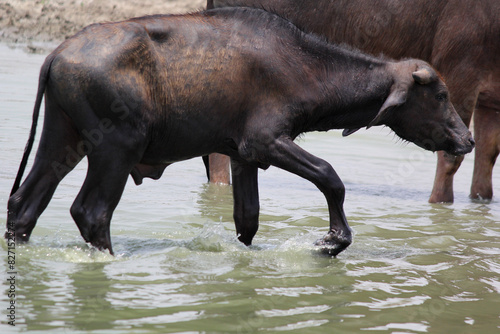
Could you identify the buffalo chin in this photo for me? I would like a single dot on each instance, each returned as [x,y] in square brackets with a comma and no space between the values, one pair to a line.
[462,150]
[452,148]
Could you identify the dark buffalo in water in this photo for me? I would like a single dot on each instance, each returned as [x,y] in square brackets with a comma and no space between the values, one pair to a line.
[460,38]
[138,95]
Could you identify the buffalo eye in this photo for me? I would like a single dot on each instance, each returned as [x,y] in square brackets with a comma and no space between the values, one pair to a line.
[442,97]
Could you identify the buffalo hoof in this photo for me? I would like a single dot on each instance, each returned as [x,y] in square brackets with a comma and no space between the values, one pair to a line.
[101,243]
[17,237]
[333,243]
[103,247]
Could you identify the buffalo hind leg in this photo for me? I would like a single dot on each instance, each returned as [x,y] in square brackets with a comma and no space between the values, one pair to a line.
[246,200]
[55,158]
[487,136]
[287,155]
[31,199]
[94,206]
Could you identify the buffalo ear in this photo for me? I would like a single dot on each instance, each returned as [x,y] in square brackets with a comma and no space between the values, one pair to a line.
[396,98]
[424,76]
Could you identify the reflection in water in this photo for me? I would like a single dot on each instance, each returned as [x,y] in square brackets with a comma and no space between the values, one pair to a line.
[414,267]
[90,297]
[61,294]
[215,202]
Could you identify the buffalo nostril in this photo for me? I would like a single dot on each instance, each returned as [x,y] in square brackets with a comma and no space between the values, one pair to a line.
[472,142]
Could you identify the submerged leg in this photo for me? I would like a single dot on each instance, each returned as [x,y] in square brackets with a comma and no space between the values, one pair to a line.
[56,157]
[447,166]
[246,200]
[487,136]
[285,154]
[464,97]
[94,206]
[218,168]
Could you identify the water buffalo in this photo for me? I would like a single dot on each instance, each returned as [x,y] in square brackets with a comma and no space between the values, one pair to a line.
[460,38]
[138,95]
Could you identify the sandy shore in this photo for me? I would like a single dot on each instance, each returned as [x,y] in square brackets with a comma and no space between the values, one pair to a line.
[40,25]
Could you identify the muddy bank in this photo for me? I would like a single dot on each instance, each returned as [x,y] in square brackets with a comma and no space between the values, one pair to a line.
[40,25]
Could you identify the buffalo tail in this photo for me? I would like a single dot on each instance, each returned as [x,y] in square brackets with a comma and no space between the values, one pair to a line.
[42,83]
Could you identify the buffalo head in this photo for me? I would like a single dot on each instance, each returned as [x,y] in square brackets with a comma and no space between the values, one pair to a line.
[418,109]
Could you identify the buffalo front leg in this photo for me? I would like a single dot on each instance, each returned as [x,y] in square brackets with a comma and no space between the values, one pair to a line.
[287,155]
[464,97]
[447,166]
[246,200]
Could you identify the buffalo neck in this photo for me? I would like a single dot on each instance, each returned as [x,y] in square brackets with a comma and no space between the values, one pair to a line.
[348,87]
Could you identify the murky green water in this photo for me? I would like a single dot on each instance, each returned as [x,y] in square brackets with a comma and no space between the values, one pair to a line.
[413,267]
